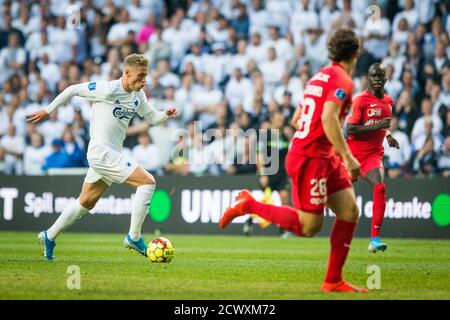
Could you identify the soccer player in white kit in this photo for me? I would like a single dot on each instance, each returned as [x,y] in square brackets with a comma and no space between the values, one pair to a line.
[114,104]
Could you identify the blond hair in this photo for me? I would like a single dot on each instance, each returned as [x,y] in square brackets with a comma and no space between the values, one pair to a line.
[136,60]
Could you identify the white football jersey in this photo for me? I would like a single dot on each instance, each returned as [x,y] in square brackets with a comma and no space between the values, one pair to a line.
[112,110]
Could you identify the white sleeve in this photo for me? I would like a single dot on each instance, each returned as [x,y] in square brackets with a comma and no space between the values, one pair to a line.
[94,91]
[146,111]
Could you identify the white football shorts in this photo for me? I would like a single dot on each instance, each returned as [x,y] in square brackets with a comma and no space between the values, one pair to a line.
[108,165]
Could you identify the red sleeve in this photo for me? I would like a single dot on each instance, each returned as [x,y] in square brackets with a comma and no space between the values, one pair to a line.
[340,88]
[357,111]
[339,94]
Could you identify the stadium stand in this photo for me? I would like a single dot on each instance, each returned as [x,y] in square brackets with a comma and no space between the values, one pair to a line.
[226,65]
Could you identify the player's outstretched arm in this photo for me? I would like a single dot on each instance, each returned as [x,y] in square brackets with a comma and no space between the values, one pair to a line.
[88,90]
[333,130]
[156,117]
[38,116]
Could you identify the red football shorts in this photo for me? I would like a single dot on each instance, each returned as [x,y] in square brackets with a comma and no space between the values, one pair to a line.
[369,160]
[314,179]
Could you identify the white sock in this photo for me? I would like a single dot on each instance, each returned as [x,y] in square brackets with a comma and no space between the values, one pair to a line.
[139,208]
[70,214]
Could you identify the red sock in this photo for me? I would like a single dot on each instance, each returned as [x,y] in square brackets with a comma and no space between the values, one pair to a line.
[379,206]
[285,217]
[340,239]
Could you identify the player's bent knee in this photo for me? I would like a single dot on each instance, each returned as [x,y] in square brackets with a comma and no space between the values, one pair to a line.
[353,211]
[88,203]
[150,180]
[147,179]
[309,232]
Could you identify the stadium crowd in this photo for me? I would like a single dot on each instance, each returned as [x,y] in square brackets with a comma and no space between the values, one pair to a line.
[226,65]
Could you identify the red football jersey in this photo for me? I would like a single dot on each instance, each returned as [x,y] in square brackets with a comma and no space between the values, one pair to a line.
[366,110]
[331,83]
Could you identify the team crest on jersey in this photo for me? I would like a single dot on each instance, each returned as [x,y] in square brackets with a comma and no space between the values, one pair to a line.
[340,94]
[117,101]
[92,86]
[135,102]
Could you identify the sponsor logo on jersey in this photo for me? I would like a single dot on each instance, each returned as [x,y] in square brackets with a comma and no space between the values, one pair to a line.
[313,90]
[92,86]
[122,113]
[374,112]
[340,94]
[371,122]
[318,201]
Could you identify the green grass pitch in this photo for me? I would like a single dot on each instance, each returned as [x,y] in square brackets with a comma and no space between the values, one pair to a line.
[215,268]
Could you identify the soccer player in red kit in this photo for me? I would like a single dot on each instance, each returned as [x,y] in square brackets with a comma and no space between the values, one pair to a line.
[366,127]
[315,163]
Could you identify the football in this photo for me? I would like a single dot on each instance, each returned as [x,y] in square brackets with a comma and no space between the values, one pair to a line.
[160,250]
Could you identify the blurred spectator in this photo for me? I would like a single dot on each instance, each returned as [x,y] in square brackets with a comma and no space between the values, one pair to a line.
[428,134]
[12,58]
[259,17]
[7,28]
[444,96]
[146,154]
[365,60]
[440,59]
[283,48]
[139,12]
[122,32]
[427,114]
[245,162]
[241,23]
[376,36]
[237,88]
[12,146]
[159,49]
[406,111]
[166,77]
[198,159]
[446,131]
[63,41]
[397,159]
[316,49]
[206,99]
[195,57]
[329,13]
[217,63]
[97,33]
[424,161]
[444,159]
[272,70]
[393,86]
[34,155]
[178,40]
[256,50]
[52,128]
[77,156]
[58,158]
[409,13]
[184,97]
